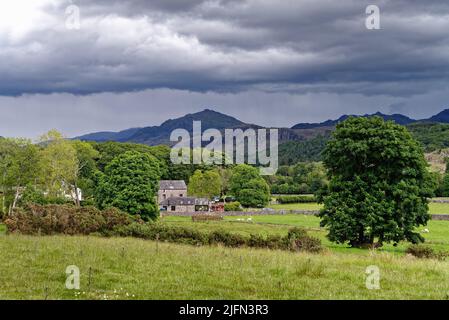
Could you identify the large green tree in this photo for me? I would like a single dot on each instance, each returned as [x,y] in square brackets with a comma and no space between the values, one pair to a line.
[59,165]
[130,183]
[379,184]
[205,184]
[19,166]
[248,187]
[85,170]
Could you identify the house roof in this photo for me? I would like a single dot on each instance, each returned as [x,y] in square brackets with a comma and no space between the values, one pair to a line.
[184,201]
[172,185]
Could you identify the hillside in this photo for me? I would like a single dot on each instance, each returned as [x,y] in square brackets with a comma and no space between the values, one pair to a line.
[156,135]
[398,118]
[302,142]
[110,136]
[433,136]
[443,116]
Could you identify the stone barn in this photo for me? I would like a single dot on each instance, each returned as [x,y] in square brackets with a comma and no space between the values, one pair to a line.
[171,189]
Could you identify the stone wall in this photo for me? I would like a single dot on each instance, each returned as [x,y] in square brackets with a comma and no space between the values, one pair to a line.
[270,212]
[242,213]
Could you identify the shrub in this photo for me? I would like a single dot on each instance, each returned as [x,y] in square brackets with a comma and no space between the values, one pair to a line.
[296,240]
[307,243]
[227,239]
[277,242]
[137,230]
[296,233]
[426,252]
[65,219]
[71,220]
[296,199]
[300,241]
[157,231]
[233,206]
[257,241]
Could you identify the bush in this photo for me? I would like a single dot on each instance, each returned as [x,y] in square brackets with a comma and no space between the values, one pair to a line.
[71,220]
[296,199]
[296,233]
[307,243]
[227,239]
[64,219]
[277,242]
[233,206]
[426,252]
[300,241]
[297,239]
[157,231]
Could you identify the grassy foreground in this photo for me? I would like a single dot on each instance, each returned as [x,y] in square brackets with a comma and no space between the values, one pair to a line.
[124,268]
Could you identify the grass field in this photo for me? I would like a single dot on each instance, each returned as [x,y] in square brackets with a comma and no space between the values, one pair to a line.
[125,268]
[434,207]
[438,236]
[34,268]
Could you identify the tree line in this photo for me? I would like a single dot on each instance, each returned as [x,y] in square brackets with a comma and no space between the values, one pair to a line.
[54,170]
[374,181]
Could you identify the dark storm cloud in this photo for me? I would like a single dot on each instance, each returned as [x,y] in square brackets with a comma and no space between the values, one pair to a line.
[137,63]
[230,46]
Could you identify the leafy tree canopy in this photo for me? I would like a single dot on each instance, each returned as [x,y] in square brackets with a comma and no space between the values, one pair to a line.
[130,183]
[248,187]
[379,184]
[205,184]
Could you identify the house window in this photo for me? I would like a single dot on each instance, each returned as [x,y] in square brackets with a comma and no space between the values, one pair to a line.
[173,208]
[164,196]
[181,195]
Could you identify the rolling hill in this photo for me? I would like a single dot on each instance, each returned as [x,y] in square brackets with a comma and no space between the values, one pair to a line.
[398,118]
[303,141]
[156,135]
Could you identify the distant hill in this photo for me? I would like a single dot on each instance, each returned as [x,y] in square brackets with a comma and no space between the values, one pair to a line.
[160,134]
[304,141]
[398,118]
[209,119]
[156,135]
[442,117]
[109,135]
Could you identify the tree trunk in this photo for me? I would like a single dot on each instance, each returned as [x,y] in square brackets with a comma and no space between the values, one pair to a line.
[14,203]
[77,199]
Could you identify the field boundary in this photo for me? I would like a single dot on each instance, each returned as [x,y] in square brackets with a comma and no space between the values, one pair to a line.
[268,212]
[241,213]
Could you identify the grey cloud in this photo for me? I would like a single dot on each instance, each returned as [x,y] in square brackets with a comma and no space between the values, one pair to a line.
[32,115]
[232,46]
[270,62]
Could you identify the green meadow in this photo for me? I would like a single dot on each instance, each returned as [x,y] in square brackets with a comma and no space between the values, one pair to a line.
[33,267]
[124,268]
[434,207]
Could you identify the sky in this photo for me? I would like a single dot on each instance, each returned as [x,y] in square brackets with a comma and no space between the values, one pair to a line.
[82,66]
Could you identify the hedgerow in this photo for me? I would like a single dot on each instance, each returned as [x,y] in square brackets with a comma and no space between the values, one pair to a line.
[296,199]
[71,220]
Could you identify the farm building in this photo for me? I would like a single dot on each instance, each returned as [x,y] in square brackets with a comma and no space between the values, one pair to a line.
[172,197]
[184,204]
[171,189]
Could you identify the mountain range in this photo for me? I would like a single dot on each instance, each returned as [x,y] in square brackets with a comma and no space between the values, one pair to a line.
[155,135]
